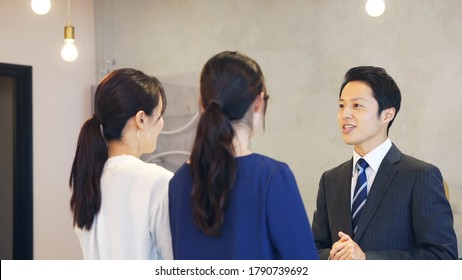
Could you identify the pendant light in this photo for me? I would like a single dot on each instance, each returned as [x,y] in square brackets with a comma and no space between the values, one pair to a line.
[69,52]
[40,7]
[375,8]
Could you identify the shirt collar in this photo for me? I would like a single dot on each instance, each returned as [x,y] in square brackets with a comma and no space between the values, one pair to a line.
[375,157]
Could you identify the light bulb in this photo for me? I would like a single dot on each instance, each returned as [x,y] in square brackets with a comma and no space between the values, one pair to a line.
[40,7]
[69,52]
[375,8]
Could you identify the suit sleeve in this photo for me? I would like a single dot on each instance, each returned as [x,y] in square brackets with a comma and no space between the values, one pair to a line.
[288,224]
[321,230]
[432,220]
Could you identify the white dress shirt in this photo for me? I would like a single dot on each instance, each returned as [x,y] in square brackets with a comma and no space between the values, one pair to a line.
[374,158]
[133,222]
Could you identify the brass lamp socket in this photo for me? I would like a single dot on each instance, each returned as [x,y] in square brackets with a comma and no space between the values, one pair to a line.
[68,31]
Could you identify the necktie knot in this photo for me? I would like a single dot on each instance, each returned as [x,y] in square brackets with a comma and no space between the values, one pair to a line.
[362,163]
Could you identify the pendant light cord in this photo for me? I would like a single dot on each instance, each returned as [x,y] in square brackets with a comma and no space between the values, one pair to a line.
[69,12]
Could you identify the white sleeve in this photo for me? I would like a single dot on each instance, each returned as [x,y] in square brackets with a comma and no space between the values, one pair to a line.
[163,236]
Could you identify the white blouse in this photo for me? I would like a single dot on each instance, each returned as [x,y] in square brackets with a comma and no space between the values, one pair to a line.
[133,222]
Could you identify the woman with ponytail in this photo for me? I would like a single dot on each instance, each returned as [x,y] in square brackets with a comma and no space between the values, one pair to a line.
[227,202]
[120,203]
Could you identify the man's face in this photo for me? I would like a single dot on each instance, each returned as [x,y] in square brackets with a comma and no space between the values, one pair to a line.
[358,118]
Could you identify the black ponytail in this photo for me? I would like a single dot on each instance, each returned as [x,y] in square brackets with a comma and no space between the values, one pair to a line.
[212,159]
[90,156]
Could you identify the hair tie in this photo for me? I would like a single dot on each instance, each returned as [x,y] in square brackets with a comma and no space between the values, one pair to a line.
[97,119]
[100,125]
[217,102]
[101,129]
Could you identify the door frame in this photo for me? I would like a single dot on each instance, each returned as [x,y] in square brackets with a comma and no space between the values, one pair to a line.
[23,230]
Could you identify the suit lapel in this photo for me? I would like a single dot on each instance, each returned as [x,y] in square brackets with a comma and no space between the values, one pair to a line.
[385,174]
[343,208]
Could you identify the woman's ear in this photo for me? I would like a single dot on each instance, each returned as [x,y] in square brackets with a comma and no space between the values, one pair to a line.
[258,103]
[140,119]
[201,105]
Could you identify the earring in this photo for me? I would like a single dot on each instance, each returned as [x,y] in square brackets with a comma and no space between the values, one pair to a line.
[141,139]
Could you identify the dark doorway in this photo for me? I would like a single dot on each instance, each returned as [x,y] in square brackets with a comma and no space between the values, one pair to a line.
[16,209]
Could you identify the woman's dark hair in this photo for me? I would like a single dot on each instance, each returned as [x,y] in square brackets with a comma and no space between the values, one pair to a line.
[230,82]
[119,96]
[384,88]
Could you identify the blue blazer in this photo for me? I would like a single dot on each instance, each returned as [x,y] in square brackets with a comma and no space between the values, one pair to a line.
[406,215]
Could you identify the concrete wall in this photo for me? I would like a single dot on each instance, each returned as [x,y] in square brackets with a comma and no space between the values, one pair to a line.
[61,102]
[304,48]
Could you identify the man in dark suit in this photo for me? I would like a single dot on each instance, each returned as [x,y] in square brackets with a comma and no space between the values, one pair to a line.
[393,206]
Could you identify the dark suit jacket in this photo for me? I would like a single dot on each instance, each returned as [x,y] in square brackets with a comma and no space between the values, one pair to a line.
[406,215]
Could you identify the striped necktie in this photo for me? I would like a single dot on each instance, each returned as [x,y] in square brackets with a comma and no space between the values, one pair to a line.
[360,193]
